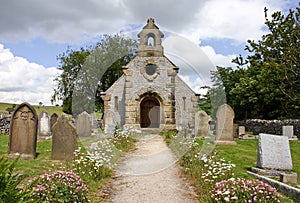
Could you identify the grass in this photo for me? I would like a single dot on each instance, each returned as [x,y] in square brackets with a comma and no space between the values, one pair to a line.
[244,156]
[39,109]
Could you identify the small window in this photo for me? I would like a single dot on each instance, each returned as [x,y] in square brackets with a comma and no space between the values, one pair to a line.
[184,103]
[150,41]
[116,103]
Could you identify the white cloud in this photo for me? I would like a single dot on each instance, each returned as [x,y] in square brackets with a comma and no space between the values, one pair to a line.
[195,62]
[24,81]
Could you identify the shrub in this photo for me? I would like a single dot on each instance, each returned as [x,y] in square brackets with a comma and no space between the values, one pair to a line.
[10,183]
[242,190]
[95,164]
[59,186]
[123,138]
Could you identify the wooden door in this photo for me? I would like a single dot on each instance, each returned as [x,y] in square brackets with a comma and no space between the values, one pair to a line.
[150,113]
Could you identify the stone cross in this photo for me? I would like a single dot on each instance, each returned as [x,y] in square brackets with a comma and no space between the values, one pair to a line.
[225,116]
[44,124]
[201,124]
[84,124]
[64,139]
[23,132]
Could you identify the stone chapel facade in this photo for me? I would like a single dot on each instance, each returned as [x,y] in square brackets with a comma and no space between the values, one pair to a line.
[150,94]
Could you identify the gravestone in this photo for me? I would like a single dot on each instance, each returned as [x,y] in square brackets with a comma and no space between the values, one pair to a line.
[201,124]
[44,124]
[288,131]
[84,124]
[23,132]
[53,119]
[242,130]
[64,139]
[225,116]
[274,152]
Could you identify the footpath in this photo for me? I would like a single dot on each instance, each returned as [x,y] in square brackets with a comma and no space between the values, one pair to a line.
[150,174]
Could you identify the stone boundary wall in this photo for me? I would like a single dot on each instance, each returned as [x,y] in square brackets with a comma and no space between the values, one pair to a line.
[269,126]
[4,124]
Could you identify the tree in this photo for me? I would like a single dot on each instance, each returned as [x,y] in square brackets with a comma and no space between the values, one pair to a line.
[269,86]
[88,72]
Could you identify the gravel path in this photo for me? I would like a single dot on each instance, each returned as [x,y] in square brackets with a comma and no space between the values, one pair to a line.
[150,174]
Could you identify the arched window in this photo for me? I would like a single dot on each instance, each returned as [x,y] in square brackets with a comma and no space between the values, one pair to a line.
[151,39]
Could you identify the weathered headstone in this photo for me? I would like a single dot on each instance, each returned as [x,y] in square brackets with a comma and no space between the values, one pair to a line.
[64,139]
[225,116]
[53,119]
[44,124]
[274,152]
[23,132]
[242,130]
[201,124]
[84,124]
[288,131]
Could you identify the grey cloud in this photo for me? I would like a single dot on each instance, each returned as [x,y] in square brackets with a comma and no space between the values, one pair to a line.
[67,20]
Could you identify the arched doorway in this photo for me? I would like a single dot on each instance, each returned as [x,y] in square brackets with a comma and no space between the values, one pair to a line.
[150,113]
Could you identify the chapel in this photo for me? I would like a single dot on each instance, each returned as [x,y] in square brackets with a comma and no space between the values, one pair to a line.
[150,93]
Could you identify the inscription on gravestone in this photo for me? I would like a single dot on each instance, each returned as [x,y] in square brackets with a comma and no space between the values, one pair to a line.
[23,132]
[274,152]
[64,139]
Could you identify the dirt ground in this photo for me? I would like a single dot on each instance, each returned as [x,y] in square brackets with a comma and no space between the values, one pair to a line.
[150,174]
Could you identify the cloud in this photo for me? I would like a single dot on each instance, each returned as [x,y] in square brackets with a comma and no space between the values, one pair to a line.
[72,21]
[24,81]
[195,62]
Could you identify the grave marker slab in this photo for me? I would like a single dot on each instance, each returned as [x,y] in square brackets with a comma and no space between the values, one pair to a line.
[288,131]
[242,130]
[44,124]
[274,152]
[23,132]
[64,139]
[225,116]
[53,119]
[201,124]
[84,124]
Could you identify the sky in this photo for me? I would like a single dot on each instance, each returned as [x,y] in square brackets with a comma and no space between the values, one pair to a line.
[199,35]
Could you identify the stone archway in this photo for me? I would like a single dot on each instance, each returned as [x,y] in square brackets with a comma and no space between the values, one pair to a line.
[150,113]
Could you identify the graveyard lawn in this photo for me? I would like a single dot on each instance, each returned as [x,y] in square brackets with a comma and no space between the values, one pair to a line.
[43,163]
[243,155]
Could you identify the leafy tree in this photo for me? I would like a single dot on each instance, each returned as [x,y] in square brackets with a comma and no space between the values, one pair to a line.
[266,84]
[88,72]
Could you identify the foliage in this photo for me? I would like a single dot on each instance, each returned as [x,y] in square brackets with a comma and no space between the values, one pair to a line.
[59,186]
[10,183]
[205,170]
[89,71]
[11,109]
[94,165]
[243,190]
[123,139]
[266,84]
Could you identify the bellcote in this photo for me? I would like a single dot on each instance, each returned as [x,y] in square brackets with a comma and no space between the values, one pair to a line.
[150,40]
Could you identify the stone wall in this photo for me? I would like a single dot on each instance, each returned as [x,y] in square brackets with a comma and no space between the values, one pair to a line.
[4,124]
[270,126]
